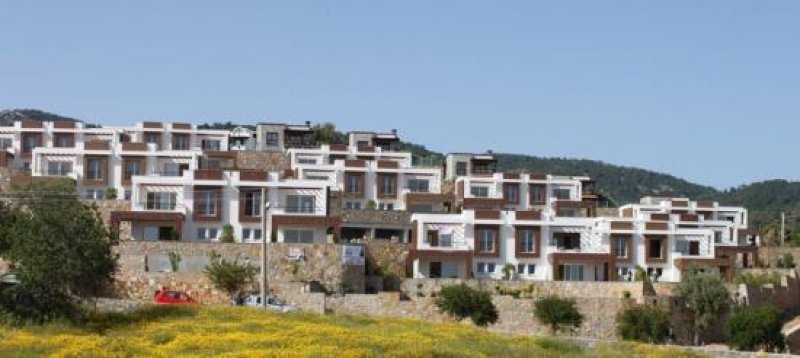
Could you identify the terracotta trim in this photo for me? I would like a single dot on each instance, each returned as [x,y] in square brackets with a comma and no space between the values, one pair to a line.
[69,136]
[243,217]
[358,163]
[621,225]
[104,170]
[208,174]
[134,146]
[181,126]
[511,200]
[388,164]
[512,176]
[361,180]
[28,123]
[529,215]
[614,239]
[64,125]
[128,159]
[532,200]
[383,194]
[96,145]
[487,214]
[198,192]
[150,125]
[656,225]
[253,175]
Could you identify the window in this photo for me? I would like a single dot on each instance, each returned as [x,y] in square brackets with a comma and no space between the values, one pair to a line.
[528,241]
[621,247]
[687,248]
[537,194]
[6,143]
[571,272]
[717,237]
[353,183]
[566,241]
[210,144]
[485,268]
[271,139]
[523,269]
[153,138]
[206,233]
[29,142]
[562,194]
[63,141]
[94,194]
[127,194]
[435,270]
[655,272]
[298,236]
[417,185]
[299,204]
[362,143]
[352,205]
[511,193]
[252,203]
[694,248]
[94,169]
[59,168]
[479,191]
[207,202]
[172,169]
[421,208]
[486,240]
[446,240]
[132,167]
[251,234]
[306,160]
[386,206]
[461,168]
[161,201]
[180,142]
[387,184]
[655,249]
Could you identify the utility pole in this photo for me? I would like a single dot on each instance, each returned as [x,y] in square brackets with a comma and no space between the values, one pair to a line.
[265,235]
[783,228]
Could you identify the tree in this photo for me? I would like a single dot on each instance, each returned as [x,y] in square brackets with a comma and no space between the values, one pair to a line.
[705,296]
[227,234]
[59,259]
[756,328]
[558,313]
[461,301]
[228,276]
[647,324]
[326,133]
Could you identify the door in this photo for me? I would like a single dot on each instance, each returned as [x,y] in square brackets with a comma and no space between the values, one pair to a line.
[435,270]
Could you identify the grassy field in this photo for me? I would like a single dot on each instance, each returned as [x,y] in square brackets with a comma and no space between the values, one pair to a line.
[245,332]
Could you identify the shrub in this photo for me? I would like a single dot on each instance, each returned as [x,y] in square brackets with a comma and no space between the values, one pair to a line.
[227,234]
[461,301]
[758,279]
[558,313]
[786,261]
[174,261]
[229,276]
[508,272]
[756,328]
[647,324]
[111,193]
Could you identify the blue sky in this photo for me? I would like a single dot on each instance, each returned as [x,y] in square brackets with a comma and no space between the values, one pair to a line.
[705,90]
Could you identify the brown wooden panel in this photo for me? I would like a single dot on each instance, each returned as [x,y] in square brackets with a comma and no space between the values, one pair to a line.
[529,215]
[518,232]
[208,174]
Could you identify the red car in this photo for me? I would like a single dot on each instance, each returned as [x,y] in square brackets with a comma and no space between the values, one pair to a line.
[172,297]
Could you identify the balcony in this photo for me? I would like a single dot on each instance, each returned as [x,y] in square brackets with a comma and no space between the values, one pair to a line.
[208,174]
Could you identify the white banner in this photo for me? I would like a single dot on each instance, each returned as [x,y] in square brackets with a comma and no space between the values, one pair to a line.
[353,255]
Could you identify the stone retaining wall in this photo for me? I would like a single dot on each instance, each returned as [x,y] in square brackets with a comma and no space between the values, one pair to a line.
[262,160]
[570,289]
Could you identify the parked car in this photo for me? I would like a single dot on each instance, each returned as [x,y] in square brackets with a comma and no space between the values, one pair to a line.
[172,297]
[273,303]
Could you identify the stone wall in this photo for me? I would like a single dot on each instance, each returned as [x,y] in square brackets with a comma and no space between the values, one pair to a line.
[785,297]
[516,314]
[144,267]
[5,179]
[386,265]
[105,207]
[257,160]
[376,217]
[570,289]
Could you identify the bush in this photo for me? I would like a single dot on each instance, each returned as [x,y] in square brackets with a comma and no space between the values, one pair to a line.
[227,234]
[229,276]
[754,329]
[558,313]
[110,194]
[786,261]
[646,324]
[705,296]
[758,279]
[461,301]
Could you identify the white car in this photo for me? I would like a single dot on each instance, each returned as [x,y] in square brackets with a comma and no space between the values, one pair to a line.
[273,303]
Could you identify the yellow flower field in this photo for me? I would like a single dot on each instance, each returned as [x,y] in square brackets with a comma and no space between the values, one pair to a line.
[247,332]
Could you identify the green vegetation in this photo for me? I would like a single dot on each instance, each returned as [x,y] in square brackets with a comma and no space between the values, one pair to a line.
[59,259]
[229,276]
[174,261]
[227,234]
[648,324]
[558,313]
[110,194]
[786,261]
[461,301]
[752,329]
[170,331]
[705,296]
[758,279]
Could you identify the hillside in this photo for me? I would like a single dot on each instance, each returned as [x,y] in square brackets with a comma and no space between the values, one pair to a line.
[620,184]
[173,331]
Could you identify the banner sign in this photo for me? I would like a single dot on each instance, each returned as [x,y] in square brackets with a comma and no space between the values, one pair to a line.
[353,255]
